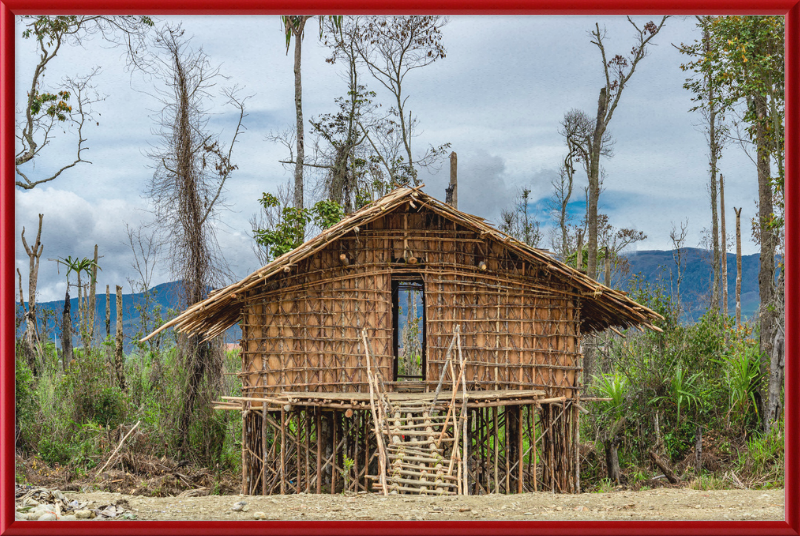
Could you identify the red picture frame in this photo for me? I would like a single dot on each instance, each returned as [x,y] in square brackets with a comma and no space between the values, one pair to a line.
[789,8]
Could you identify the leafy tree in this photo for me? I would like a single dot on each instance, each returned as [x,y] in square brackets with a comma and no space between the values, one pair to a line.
[78,266]
[745,60]
[70,102]
[286,229]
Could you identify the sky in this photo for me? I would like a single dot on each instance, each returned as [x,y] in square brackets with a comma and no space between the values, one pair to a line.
[497,98]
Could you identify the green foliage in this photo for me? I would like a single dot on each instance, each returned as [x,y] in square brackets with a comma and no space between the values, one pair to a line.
[289,229]
[706,374]
[24,393]
[71,417]
[684,389]
[615,387]
[743,376]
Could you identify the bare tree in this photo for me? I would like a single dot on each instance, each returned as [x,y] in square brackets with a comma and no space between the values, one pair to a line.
[391,47]
[146,249]
[191,169]
[518,222]
[70,102]
[31,324]
[618,72]
[678,238]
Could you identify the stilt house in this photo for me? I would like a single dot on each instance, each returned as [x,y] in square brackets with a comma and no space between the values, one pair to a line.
[493,403]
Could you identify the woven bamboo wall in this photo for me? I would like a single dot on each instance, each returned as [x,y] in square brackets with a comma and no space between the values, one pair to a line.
[519,325]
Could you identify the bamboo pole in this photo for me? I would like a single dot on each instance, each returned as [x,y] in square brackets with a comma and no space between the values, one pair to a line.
[379,439]
[318,417]
[264,447]
[283,451]
[521,468]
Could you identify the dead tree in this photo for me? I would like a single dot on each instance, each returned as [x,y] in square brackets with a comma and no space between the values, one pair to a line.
[618,72]
[31,327]
[119,357]
[714,133]
[191,168]
[391,47]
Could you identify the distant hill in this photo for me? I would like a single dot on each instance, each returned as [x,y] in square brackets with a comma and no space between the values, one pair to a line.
[658,266]
[165,295]
[652,266]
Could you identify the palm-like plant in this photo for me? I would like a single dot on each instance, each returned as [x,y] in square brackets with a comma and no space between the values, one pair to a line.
[78,266]
[615,387]
[684,389]
[743,374]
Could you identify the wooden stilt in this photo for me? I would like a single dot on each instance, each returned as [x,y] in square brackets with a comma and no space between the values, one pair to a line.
[334,456]
[495,439]
[317,416]
[521,456]
[263,447]
[283,451]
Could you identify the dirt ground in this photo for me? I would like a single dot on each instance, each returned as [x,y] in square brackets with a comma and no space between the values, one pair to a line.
[655,504]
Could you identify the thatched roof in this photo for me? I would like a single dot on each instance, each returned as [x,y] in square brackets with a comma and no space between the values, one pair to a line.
[601,306]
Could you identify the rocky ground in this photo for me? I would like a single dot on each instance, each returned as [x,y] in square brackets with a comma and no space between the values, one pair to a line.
[655,504]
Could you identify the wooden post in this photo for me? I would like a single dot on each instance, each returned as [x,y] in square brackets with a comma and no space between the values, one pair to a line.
[496,438]
[264,448]
[533,446]
[521,467]
[317,415]
[308,449]
[454,179]
[283,451]
[245,472]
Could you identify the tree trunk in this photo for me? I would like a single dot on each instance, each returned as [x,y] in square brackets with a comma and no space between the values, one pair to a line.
[66,333]
[713,149]
[118,355]
[612,460]
[108,312]
[766,269]
[738,267]
[594,183]
[31,326]
[608,268]
[774,409]
[724,242]
[298,106]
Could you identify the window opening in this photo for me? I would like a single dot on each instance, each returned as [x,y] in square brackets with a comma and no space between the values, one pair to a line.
[408,308]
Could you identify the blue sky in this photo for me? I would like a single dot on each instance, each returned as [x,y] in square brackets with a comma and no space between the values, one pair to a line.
[497,97]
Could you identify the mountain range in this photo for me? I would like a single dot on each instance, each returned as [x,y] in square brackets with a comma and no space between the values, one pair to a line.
[654,267]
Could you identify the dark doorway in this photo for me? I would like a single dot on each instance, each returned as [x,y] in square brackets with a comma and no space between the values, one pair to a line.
[408,312]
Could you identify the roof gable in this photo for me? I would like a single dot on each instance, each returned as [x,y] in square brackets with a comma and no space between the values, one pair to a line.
[601,306]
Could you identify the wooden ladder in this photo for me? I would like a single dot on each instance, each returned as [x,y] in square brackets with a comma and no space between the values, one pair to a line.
[416,438]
